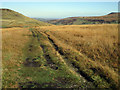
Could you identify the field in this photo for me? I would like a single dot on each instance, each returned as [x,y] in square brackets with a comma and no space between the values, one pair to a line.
[66,56]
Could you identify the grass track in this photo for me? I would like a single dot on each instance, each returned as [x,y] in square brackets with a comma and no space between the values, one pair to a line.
[48,62]
[41,53]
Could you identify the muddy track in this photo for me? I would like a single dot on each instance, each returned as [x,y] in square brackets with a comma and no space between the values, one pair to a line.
[50,63]
[73,68]
[31,63]
[31,60]
[48,59]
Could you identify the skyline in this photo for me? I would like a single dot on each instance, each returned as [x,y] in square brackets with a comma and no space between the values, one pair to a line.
[61,9]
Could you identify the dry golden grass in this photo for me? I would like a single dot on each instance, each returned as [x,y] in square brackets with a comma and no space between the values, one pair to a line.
[13,40]
[99,43]
[96,41]
[86,46]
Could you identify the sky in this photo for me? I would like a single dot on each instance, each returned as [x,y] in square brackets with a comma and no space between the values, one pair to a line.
[59,0]
[61,9]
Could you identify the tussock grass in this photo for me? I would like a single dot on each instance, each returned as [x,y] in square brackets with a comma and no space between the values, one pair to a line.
[93,49]
[98,42]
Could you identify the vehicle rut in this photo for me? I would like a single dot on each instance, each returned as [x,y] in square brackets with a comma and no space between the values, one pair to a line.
[73,68]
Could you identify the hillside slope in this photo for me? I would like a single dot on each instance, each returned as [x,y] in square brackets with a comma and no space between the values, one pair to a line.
[11,18]
[108,19]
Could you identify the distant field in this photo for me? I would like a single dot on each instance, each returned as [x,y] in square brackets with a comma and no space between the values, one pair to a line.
[69,56]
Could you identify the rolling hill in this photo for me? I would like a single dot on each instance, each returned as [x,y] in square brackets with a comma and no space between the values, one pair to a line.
[111,18]
[59,56]
[12,18]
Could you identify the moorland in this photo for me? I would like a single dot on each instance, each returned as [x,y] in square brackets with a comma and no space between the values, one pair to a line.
[38,54]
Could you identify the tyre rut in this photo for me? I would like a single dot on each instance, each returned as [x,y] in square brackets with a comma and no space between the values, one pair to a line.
[72,68]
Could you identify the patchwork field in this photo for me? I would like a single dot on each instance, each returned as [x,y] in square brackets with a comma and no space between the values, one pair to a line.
[66,56]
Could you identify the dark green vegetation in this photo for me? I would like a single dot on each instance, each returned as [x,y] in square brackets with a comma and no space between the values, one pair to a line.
[111,18]
[11,18]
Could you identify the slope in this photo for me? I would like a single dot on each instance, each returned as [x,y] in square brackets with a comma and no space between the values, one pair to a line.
[108,19]
[12,18]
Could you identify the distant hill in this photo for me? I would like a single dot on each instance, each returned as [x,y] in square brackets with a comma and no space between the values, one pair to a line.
[12,18]
[41,19]
[44,19]
[108,19]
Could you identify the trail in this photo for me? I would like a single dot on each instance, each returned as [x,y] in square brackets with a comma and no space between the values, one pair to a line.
[31,61]
[58,59]
[75,69]
[72,68]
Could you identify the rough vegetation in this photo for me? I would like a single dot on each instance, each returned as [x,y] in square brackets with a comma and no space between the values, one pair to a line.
[66,56]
